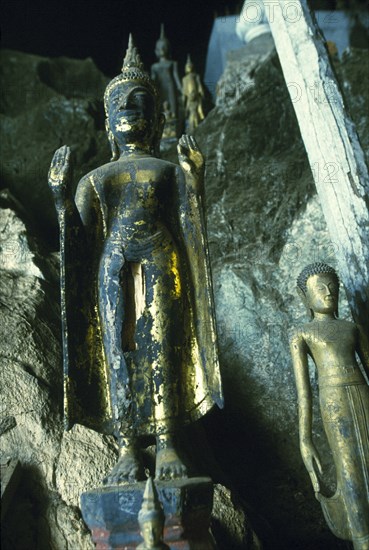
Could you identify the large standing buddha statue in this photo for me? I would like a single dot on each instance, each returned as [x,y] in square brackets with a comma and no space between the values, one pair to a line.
[140,355]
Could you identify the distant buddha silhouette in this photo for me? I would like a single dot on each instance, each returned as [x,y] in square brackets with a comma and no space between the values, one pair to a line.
[165,76]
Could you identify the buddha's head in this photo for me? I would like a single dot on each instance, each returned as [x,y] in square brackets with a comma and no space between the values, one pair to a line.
[318,286]
[151,517]
[162,47]
[189,67]
[132,107]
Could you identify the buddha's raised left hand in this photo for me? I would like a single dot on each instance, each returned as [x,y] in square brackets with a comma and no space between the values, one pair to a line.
[190,158]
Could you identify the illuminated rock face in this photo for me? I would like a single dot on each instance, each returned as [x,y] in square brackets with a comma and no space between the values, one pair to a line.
[264,225]
[54,464]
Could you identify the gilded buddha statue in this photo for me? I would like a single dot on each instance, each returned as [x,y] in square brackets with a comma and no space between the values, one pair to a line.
[139,339]
[193,95]
[344,402]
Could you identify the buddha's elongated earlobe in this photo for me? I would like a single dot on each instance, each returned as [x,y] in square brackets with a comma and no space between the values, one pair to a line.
[304,300]
[113,145]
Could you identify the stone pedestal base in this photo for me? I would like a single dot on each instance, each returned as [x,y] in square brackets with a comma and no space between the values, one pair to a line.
[111,514]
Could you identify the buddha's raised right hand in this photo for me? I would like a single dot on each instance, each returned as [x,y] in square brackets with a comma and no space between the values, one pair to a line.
[59,174]
[191,159]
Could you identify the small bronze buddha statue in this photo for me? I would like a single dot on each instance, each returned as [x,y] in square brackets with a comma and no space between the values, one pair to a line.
[151,520]
[193,94]
[333,343]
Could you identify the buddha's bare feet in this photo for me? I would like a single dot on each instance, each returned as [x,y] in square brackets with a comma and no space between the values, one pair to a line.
[168,463]
[127,468]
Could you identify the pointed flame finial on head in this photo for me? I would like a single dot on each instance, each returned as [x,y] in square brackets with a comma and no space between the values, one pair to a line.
[132,71]
[189,60]
[162,33]
[189,67]
[132,57]
[162,47]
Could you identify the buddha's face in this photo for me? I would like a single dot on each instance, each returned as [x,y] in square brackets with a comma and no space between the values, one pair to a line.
[151,533]
[132,113]
[161,49]
[322,293]
[188,68]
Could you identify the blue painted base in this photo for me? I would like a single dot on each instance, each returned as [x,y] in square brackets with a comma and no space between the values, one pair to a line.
[111,514]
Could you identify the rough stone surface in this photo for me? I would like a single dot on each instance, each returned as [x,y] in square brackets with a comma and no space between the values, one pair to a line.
[230,525]
[265,223]
[48,103]
[56,466]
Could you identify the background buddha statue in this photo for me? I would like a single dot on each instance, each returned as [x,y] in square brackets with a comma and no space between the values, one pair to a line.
[193,95]
[165,75]
[344,402]
[140,356]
